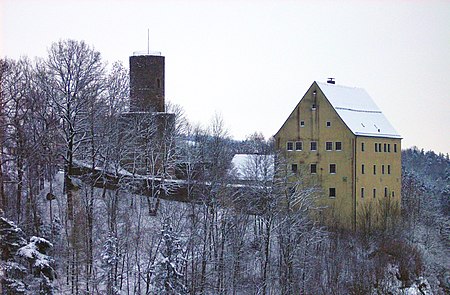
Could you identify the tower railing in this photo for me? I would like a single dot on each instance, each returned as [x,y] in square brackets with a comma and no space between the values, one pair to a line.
[138,53]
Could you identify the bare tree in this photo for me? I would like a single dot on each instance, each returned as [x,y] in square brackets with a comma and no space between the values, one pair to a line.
[17,102]
[297,232]
[3,71]
[71,76]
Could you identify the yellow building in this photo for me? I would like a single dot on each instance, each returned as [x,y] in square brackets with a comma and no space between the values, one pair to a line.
[341,138]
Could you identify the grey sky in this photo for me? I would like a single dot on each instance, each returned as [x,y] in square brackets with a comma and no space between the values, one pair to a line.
[252,61]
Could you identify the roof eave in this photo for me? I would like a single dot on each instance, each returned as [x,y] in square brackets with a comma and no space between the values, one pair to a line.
[394,136]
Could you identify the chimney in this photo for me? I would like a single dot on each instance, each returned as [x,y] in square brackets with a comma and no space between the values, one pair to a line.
[331,81]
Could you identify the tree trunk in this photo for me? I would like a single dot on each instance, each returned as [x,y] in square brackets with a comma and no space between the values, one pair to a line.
[19,188]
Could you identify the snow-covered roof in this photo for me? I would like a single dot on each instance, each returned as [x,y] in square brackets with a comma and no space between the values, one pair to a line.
[358,111]
[253,167]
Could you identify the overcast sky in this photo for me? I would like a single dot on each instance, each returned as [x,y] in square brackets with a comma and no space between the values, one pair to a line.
[252,61]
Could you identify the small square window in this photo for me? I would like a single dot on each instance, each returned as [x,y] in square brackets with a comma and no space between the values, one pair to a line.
[329,146]
[332,192]
[362,169]
[328,124]
[290,146]
[332,168]
[362,192]
[338,145]
[302,123]
[314,145]
[294,168]
[313,168]
[298,145]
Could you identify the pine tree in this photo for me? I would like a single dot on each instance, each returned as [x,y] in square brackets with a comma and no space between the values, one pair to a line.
[167,276]
[16,253]
[35,253]
[12,272]
[110,258]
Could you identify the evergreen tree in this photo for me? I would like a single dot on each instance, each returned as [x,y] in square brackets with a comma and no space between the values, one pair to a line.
[167,276]
[42,273]
[12,272]
[110,258]
[15,277]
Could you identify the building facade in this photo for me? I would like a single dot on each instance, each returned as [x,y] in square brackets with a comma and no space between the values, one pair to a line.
[339,137]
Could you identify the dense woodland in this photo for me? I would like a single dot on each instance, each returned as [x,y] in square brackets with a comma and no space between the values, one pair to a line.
[62,233]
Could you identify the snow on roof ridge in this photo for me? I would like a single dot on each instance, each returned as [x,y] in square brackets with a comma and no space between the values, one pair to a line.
[356,110]
[339,85]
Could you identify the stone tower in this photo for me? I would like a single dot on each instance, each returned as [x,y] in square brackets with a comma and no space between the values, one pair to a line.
[147,83]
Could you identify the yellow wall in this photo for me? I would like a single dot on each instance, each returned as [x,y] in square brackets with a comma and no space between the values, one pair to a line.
[347,180]
[379,181]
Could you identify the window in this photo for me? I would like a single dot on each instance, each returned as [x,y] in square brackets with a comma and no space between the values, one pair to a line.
[158,82]
[290,146]
[313,168]
[362,169]
[376,147]
[389,147]
[332,192]
[385,192]
[362,146]
[338,145]
[382,169]
[389,169]
[385,148]
[374,169]
[294,168]
[332,168]
[329,146]
[374,193]
[302,123]
[362,192]
[328,124]
[379,147]
[298,145]
[393,195]
[314,145]
[395,147]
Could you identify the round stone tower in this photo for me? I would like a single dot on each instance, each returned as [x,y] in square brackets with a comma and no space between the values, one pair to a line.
[147,83]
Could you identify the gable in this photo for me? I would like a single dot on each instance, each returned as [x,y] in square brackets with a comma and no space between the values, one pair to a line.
[303,111]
